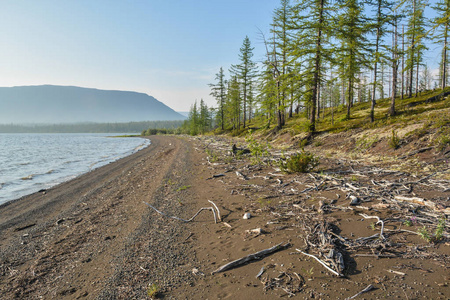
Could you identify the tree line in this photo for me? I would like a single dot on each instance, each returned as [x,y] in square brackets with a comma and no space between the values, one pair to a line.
[131,127]
[322,54]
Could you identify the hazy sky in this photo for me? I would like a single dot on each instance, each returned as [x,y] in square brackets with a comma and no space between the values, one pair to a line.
[169,49]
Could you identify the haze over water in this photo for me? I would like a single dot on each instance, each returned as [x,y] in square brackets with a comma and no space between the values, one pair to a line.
[31,162]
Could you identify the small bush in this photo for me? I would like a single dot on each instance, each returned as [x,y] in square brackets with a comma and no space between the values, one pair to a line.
[394,142]
[299,163]
[258,149]
[153,290]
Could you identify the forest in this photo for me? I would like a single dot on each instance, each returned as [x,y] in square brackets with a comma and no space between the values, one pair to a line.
[323,56]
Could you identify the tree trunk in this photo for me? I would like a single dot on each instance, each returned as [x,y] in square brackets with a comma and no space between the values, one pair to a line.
[394,70]
[403,60]
[314,96]
[444,58]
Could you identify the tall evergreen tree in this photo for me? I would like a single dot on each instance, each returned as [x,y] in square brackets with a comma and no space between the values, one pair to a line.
[379,24]
[245,72]
[442,23]
[415,33]
[354,45]
[282,49]
[233,108]
[312,21]
[218,91]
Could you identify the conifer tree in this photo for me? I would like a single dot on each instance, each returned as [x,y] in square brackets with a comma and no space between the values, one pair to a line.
[233,109]
[442,23]
[379,24]
[218,91]
[245,72]
[312,20]
[415,33]
[354,45]
[282,49]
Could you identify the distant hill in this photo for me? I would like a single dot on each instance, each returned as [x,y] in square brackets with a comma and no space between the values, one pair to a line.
[51,104]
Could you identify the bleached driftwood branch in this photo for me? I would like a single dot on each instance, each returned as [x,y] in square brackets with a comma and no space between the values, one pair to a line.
[218,211]
[250,257]
[367,289]
[322,263]
[193,217]
[378,221]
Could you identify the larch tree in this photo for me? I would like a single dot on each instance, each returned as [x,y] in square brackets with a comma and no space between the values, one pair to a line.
[219,91]
[282,48]
[442,23]
[380,21]
[233,107]
[415,33]
[245,73]
[353,50]
[312,19]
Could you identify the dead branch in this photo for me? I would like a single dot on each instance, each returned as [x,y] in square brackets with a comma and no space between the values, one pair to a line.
[250,257]
[322,263]
[193,217]
[378,221]
[367,289]
[218,211]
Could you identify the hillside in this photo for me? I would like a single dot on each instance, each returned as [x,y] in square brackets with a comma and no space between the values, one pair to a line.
[68,104]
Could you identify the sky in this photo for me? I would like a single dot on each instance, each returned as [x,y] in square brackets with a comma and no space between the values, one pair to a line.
[169,49]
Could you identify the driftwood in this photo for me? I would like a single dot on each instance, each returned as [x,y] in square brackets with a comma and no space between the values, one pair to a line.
[378,221]
[217,209]
[189,220]
[322,263]
[250,257]
[367,289]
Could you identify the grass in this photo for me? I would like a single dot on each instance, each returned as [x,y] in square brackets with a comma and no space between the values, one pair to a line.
[182,188]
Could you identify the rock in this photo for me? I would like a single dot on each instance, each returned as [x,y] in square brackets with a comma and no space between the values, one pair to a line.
[353,200]
[246,216]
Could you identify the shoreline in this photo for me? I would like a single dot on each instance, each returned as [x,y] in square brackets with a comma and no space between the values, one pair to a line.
[43,186]
[52,244]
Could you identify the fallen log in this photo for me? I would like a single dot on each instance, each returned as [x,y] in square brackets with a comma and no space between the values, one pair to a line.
[255,256]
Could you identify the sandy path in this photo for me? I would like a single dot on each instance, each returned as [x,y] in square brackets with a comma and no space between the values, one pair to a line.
[70,241]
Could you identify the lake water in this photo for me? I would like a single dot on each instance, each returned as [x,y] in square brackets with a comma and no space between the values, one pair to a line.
[30,162]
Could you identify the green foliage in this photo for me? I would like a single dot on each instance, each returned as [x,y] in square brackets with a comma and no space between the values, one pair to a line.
[264,202]
[212,155]
[258,150]
[423,233]
[153,290]
[394,141]
[442,142]
[182,188]
[408,223]
[199,120]
[301,162]
[438,233]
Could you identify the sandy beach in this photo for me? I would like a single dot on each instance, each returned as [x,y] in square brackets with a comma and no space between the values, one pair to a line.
[94,237]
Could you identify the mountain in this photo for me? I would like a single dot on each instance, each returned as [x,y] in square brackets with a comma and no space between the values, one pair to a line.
[69,104]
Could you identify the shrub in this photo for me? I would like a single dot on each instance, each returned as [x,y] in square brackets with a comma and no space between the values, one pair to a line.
[258,150]
[394,142]
[301,162]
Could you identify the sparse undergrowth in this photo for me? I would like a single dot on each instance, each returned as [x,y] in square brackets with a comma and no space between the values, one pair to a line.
[301,162]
